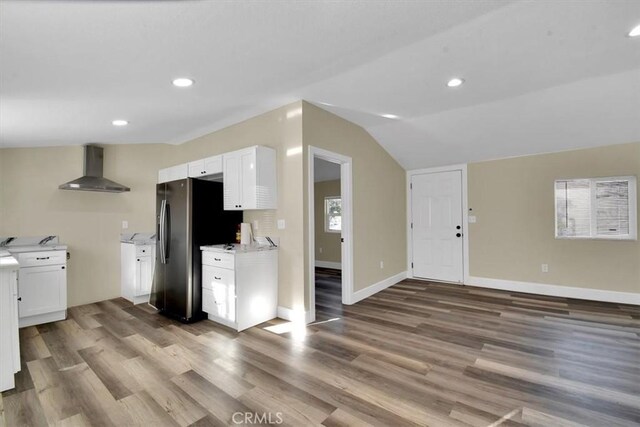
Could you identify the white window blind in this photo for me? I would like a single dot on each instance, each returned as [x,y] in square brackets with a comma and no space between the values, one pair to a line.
[612,208]
[596,208]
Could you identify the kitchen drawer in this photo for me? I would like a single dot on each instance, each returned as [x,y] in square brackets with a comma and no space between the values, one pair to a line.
[220,301]
[218,259]
[214,276]
[144,250]
[34,259]
[208,302]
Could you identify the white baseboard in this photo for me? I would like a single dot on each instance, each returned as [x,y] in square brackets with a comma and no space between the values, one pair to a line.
[377,287]
[329,264]
[555,290]
[295,315]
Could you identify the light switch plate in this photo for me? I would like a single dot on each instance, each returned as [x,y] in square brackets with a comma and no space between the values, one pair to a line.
[125,225]
[472,219]
[281,224]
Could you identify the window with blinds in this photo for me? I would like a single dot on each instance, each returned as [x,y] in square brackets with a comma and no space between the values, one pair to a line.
[596,208]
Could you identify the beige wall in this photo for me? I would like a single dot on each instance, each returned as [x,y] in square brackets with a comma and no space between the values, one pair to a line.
[514,203]
[90,223]
[327,244]
[379,201]
[282,130]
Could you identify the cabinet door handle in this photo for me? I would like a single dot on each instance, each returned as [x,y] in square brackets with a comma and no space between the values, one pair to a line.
[19,298]
[217,278]
[63,267]
[41,258]
[217,259]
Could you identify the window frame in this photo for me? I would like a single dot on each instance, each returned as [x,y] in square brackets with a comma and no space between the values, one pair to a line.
[327,216]
[593,232]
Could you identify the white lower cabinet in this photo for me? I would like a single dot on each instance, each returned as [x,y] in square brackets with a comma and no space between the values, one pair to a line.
[42,287]
[240,289]
[9,341]
[137,263]
[42,290]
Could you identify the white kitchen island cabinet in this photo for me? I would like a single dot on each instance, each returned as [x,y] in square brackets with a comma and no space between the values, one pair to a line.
[9,341]
[42,286]
[137,263]
[239,287]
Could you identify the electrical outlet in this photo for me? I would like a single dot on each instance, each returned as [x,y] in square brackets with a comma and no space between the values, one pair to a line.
[320,250]
[125,225]
[255,225]
[281,224]
[381,264]
[545,268]
[472,219]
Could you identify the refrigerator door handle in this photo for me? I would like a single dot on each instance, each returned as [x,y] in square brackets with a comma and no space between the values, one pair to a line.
[163,207]
[167,232]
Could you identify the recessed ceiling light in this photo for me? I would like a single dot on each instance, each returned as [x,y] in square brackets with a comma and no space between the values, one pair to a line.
[455,82]
[119,122]
[389,116]
[635,31]
[182,82]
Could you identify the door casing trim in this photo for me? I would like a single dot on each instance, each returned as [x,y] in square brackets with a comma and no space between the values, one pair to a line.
[346,193]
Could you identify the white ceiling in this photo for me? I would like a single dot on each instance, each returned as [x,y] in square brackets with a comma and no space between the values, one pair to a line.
[540,76]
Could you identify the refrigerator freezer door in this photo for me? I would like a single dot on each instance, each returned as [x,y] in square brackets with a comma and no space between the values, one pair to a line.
[156,298]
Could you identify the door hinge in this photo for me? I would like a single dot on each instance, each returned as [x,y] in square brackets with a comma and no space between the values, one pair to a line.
[411,265]
[411,225]
[411,186]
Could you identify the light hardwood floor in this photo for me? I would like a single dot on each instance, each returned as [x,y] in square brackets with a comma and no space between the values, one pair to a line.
[417,353]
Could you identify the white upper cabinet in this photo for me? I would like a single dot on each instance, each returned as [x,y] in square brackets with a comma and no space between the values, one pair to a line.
[173,173]
[205,167]
[249,177]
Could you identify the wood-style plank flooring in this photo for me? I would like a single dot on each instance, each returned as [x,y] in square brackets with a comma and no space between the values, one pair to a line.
[417,353]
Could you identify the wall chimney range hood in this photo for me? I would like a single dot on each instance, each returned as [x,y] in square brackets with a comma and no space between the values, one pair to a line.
[92,180]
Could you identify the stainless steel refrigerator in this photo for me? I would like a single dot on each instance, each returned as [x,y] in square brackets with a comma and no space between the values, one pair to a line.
[189,214]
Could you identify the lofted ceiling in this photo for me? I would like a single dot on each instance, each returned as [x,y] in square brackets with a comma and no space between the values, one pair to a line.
[539,76]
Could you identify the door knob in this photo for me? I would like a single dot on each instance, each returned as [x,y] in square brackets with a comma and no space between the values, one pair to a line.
[458,235]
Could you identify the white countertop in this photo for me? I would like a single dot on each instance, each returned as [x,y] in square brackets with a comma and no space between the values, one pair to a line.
[7,262]
[138,239]
[139,242]
[238,248]
[35,248]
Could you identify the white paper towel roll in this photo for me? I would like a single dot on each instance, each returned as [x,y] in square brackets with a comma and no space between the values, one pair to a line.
[245,233]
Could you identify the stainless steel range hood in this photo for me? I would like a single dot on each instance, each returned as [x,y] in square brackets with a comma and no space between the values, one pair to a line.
[92,180]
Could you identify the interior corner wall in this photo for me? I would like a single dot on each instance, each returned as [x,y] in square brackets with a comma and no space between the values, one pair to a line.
[379,196]
[327,244]
[280,129]
[513,201]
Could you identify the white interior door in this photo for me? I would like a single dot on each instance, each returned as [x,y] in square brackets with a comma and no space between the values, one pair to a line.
[436,212]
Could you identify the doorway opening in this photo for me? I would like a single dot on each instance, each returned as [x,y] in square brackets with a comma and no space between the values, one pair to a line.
[329,234]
